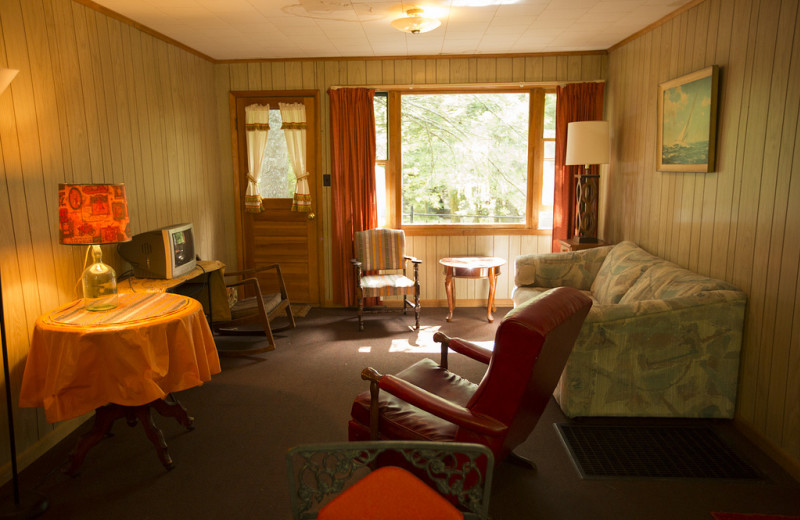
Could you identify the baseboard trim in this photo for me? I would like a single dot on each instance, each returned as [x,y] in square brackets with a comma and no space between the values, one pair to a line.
[459,303]
[43,445]
[786,461]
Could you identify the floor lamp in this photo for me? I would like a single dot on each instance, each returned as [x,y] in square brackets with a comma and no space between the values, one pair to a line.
[37,506]
[587,144]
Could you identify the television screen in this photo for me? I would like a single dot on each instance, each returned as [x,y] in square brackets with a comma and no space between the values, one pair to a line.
[164,253]
[182,244]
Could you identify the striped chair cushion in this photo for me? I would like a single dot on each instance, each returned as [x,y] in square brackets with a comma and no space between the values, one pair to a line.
[386,285]
[379,249]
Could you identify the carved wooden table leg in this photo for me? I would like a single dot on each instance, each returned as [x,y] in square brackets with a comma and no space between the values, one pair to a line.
[450,290]
[106,415]
[171,407]
[145,416]
[104,418]
[492,288]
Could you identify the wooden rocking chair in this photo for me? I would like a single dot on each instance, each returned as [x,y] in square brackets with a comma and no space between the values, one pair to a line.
[256,309]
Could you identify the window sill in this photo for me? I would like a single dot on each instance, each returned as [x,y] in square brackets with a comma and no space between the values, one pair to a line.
[467,230]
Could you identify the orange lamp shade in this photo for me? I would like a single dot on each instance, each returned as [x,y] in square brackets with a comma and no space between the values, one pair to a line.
[93,214]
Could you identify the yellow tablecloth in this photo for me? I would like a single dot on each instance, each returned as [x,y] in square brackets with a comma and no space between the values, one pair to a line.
[150,345]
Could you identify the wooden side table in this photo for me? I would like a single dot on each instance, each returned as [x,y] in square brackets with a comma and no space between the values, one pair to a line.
[122,363]
[471,267]
[573,245]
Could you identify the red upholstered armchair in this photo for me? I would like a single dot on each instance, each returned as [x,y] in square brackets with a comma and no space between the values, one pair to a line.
[429,403]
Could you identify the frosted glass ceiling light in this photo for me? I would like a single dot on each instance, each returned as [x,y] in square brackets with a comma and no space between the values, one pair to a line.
[415,23]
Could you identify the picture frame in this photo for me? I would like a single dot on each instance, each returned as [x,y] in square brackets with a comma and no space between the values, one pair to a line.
[687,122]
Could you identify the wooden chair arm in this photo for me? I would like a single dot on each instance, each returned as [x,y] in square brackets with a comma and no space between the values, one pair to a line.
[251,281]
[462,346]
[254,270]
[413,259]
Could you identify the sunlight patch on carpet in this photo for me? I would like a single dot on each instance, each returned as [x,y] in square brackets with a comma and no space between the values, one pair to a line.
[424,344]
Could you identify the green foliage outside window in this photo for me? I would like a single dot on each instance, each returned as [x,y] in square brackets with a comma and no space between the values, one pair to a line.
[277,179]
[464,158]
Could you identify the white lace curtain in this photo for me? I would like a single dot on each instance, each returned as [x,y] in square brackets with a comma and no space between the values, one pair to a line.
[256,127]
[293,116]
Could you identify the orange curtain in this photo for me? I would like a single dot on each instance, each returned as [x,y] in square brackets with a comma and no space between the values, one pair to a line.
[574,102]
[354,205]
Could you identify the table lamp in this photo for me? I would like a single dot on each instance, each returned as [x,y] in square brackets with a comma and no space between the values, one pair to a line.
[587,144]
[94,214]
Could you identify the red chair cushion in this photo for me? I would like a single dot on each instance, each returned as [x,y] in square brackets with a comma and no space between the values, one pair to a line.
[400,420]
[389,493]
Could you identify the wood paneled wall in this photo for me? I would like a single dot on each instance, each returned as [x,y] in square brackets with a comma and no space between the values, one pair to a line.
[742,222]
[322,74]
[95,101]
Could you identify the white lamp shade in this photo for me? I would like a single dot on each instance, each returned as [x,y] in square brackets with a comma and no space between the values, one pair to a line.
[6,75]
[587,143]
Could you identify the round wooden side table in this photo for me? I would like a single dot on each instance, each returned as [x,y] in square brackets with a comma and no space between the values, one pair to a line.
[471,267]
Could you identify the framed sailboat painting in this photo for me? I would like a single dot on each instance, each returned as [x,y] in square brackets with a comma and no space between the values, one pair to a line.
[687,122]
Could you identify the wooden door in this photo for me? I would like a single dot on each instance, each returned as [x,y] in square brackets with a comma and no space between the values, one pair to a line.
[278,234]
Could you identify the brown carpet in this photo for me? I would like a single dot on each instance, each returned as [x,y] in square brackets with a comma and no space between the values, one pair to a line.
[232,466]
[740,516]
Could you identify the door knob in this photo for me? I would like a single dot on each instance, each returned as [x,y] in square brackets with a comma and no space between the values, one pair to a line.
[312,216]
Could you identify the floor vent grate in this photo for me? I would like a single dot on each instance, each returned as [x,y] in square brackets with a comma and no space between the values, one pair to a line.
[603,451]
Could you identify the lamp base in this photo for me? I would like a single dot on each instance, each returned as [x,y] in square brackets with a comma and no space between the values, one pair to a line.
[99,284]
[586,199]
[30,506]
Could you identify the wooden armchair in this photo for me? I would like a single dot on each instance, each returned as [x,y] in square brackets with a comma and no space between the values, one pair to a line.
[380,269]
[257,308]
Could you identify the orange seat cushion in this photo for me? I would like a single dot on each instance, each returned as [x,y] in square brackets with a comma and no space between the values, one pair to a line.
[389,493]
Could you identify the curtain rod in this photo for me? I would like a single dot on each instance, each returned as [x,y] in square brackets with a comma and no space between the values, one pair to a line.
[444,86]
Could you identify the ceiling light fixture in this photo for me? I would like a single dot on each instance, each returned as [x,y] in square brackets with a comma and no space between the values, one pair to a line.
[415,23]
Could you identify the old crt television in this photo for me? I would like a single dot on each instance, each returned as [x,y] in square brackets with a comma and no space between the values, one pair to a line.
[163,253]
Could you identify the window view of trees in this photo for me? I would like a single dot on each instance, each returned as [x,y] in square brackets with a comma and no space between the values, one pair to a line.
[464,158]
[277,179]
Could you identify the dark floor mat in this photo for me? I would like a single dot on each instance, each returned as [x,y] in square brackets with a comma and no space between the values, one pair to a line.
[603,451]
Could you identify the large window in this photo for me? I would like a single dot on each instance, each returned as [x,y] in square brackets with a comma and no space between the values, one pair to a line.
[466,160]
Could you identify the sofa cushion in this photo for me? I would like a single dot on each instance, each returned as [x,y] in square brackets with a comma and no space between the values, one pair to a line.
[523,294]
[665,281]
[622,267]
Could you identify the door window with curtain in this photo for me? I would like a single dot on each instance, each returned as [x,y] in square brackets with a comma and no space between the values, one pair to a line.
[277,180]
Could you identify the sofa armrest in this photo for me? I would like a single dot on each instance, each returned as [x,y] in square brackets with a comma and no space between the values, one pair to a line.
[658,358]
[572,269]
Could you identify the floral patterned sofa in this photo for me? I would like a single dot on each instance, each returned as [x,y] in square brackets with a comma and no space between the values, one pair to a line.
[659,341]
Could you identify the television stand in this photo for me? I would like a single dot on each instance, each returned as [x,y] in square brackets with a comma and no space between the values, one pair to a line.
[204,283]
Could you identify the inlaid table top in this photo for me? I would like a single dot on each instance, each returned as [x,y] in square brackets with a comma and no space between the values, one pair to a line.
[472,262]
